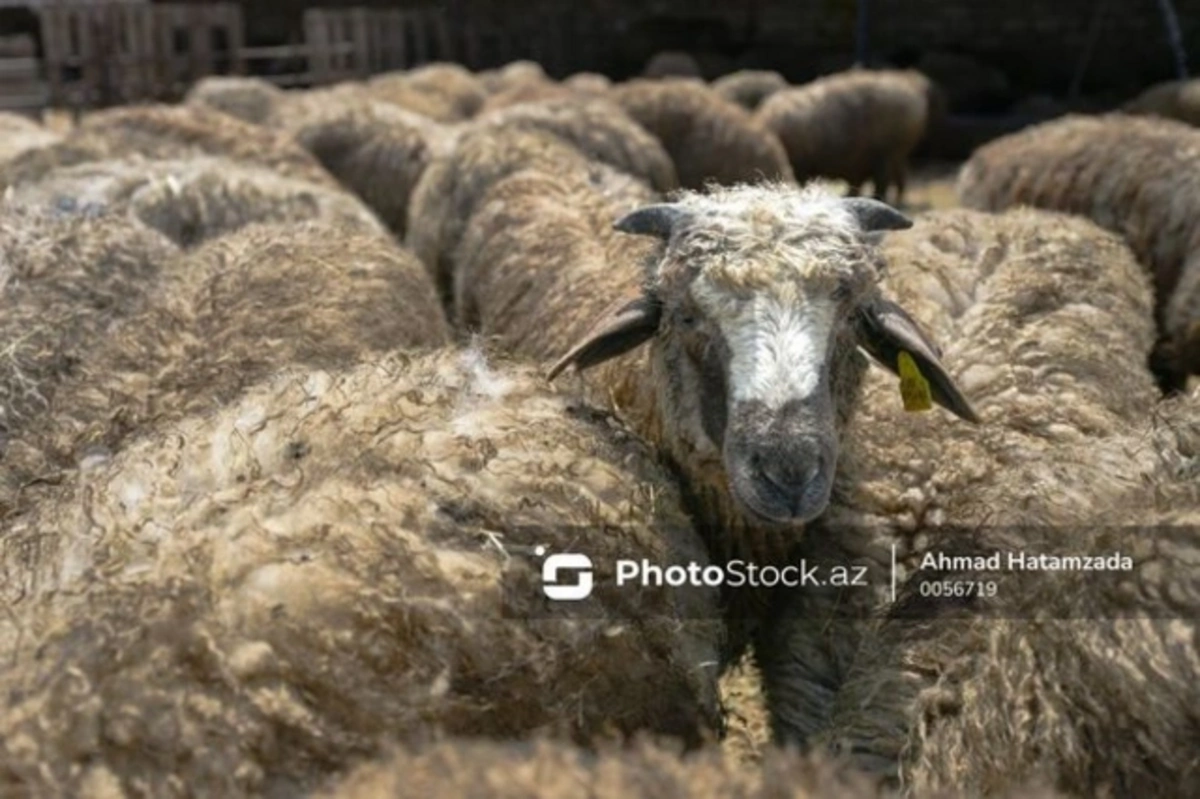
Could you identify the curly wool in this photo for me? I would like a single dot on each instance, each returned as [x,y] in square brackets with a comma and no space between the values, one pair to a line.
[192,200]
[710,139]
[157,132]
[247,603]
[1133,175]
[226,316]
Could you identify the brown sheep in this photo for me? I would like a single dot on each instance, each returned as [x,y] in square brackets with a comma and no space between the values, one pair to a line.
[192,200]
[443,92]
[547,769]
[512,75]
[856,126]
[236,309]
[166,132]
[749,87]
[377,151]
[1136,176]
[672,64]
[19,133]
[252,100]
[66,281]
[588,83]
[247,602]
[710,139]
[594,138]
[1176,99]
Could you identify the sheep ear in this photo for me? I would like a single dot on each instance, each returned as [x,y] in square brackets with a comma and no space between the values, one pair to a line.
[652,220]
[625,325]
[888,333]
[875,216]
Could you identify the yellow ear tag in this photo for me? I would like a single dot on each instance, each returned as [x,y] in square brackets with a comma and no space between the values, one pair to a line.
[914,388]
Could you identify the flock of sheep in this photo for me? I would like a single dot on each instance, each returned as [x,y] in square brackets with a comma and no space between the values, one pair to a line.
[300,387]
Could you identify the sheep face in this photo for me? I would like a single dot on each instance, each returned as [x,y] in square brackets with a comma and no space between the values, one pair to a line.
[757,308]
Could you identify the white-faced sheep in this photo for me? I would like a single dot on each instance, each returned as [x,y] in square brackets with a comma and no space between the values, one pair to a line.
[591,137]
[709,138]
[229,314]
[1047,314]
[192,200]
[1045,317]
[251,100]
[749,87]
[857,125]
[752,282]
[166,132]
[1177,99]
[245,604]
[1137,176]
[443,92]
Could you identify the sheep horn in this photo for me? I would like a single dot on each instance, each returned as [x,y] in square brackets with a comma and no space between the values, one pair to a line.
[652,220]
[874,216]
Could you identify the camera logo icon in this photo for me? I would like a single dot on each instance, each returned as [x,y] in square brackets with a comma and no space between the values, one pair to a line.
[566,564]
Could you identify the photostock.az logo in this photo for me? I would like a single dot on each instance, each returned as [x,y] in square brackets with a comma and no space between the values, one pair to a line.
[567,562]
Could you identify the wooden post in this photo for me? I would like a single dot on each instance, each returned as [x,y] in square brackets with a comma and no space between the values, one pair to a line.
[316,35]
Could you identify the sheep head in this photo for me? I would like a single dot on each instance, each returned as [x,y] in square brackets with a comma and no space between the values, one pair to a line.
[757,308]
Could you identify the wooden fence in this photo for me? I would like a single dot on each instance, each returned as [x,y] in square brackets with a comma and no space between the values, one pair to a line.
[107,53]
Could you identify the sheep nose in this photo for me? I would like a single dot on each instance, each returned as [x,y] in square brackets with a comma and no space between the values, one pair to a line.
[785,475]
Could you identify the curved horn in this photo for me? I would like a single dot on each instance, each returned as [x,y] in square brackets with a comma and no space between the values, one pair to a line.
[652,220]
[874,215]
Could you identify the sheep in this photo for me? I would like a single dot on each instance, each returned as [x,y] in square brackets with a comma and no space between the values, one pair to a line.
[1177,99]
[538,234]
[1029,677]
[192,200]
[708,138]
[444,92]
[729,283]
[65,281]
[377,151]
[856,125]
[529,93]
[245,603]
[19,133]
[595,139]
[599,130]
[588,83]
[227,315]
[166,132]
[470,769]
[1134,175]
[749,87]
[672,64]
[1045,313]
[252,100]
[513,74]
